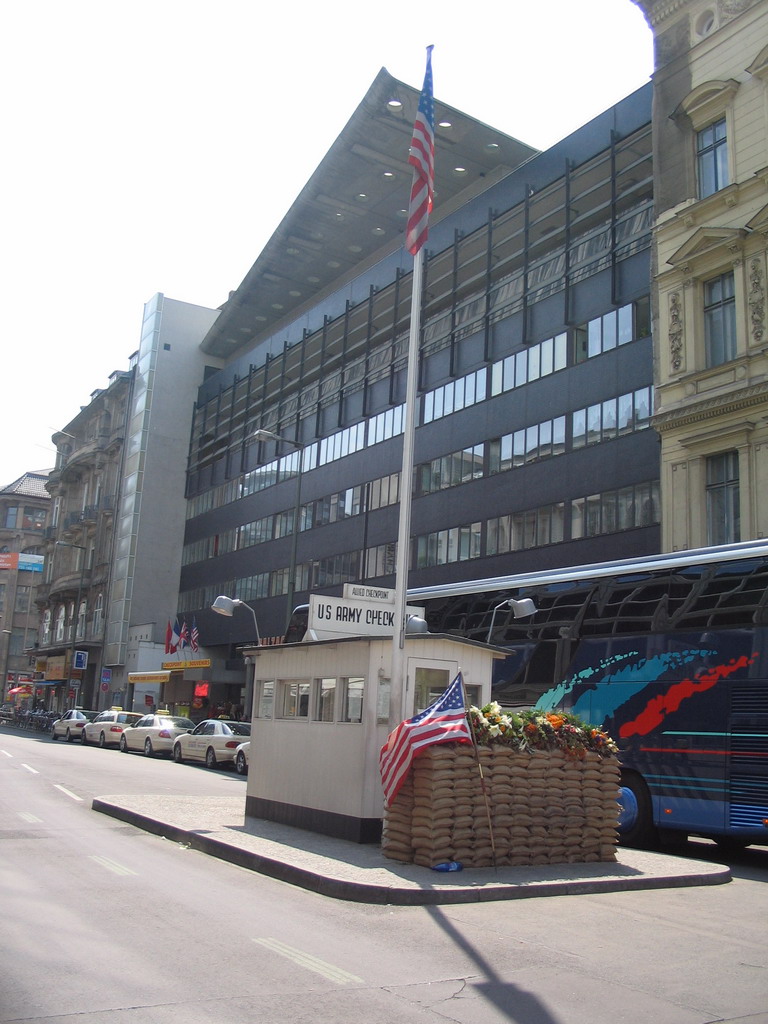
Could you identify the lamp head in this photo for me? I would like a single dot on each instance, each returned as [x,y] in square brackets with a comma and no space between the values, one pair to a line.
[225,605]
[522,608]
[264,435]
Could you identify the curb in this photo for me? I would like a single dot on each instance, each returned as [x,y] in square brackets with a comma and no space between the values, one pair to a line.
[394,895]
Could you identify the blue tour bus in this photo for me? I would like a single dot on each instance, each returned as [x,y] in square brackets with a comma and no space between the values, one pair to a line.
[668,653]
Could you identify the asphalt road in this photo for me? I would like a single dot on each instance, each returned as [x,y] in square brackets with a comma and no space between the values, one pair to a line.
[102,922]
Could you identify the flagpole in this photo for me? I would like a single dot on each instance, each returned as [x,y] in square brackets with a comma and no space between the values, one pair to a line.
[422,158]
[398,684]
[483,786]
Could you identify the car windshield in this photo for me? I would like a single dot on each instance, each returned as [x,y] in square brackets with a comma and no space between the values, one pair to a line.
[176,723]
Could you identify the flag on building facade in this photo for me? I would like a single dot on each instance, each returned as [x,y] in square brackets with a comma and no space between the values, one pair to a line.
[194,637]
[445,721]
[168,638]
[176,638]
[184,635]
[422,159]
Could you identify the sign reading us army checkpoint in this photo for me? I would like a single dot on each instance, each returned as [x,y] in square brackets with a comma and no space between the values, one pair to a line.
[363,611]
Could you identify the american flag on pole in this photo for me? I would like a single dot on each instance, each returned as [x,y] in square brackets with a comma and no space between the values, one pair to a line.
[422,159]
[445,721]
[194,640]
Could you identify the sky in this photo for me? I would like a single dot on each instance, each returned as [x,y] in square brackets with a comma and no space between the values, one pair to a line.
[154,146]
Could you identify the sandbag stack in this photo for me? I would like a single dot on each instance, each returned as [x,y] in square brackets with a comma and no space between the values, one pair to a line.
[546,807]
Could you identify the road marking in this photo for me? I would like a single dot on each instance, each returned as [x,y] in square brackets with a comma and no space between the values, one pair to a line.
[30,768]
[29,818]
[112,865]
[312,963]
[7,754]
[68,792]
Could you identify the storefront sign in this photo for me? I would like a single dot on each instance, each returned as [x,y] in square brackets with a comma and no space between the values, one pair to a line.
[179,666]
[148,677]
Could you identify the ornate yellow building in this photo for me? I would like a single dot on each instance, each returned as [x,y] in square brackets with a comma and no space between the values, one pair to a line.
[711,208]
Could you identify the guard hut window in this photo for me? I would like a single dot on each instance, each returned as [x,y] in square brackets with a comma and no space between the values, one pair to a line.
[352,699]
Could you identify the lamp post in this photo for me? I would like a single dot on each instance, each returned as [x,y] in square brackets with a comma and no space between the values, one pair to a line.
[76,617]
[520,609]
[226,606]
[269,435]
[6,633]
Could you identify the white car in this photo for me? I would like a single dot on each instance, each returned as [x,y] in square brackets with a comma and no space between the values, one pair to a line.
[107,727]
[242,756]
[71,724]
[154,734]
[213,741]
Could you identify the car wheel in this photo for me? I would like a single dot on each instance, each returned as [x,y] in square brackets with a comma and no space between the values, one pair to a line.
[53,734]
[102,740]
[240,766]
[123,745]
[636,826]
[148,751]
[177,754]
[69,736]
[210,758]
[83,738]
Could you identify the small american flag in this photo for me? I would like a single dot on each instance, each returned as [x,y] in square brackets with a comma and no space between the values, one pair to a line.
[422,159]
[194,641]
[445,721]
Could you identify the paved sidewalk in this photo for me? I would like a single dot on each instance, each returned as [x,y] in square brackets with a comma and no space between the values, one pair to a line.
[360,873]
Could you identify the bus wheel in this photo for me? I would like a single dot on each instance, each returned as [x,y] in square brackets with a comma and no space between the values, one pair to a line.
[636,826]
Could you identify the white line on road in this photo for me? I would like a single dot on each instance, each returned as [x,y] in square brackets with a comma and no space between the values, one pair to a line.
[29,818]
[7,754]
[30,768]
[68,792]
[312,963]
[112,865]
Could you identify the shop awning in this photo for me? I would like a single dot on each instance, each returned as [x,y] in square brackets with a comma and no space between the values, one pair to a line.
[149,677]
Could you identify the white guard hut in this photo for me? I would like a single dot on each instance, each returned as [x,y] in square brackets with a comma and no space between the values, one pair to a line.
[321,711]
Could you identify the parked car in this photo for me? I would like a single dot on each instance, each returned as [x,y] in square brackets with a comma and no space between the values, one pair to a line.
[154,734]
[213,741]
[107,727]
[242,755]
[71,724]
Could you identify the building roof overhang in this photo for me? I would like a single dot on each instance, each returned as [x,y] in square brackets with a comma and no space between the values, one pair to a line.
[352,211]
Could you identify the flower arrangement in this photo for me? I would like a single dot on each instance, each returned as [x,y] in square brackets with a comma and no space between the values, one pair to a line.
[537,730]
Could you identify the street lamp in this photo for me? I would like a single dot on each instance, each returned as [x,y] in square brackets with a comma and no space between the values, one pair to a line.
[519,609]
[269,435]
[76,616]
[226,606]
